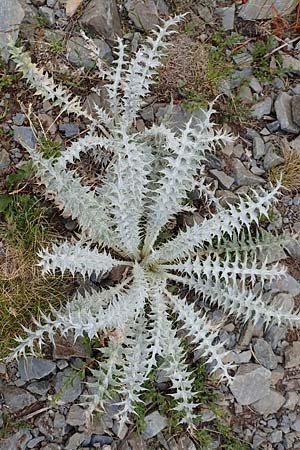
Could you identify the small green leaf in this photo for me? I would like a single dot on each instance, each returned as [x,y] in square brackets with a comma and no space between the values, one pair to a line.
[5,201]
[22,173]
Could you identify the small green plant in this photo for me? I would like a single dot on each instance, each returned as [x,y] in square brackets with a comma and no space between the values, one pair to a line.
[57,45]
[261,62]
[49,148]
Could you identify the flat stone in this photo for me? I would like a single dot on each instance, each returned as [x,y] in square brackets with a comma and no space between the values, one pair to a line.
[255,85]
[261,109]
[68,386]
[292,355]
[103,17]
[251,386]
[155,423]
[34,368]
[266,9]
[79,55]
[227,14]
[276,436]
[24,136]
[245,95]
[16,398]
[258,143]
[39,387]
[4,159]
[44,423]
[264,354]
[48,15]
[225,180]
[296,425]
[290,64]
[269,404]
[283,301]
[283,111]
[76,416]
[11,16]
[17,441]
[243,176]
[34,442]
[66,348]
[19,119]
[271,159]
[292,399]
[75,441]
[69,129]
[143,13]
[295,105]
[285,284]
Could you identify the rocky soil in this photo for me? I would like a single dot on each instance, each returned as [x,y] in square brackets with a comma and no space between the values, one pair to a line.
[260,102]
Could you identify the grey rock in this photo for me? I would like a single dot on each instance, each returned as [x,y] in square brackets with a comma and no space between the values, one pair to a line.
[243,176]
[292,355]
[296,425]
[284,113]
[285,284]
[79,55]
[276,436]
[103,17]
[271,159]
[45,425]
[283,301]
[39,387]
[239,76]
[292,399]
[4,159]
[255,85]
[269,404]
[273,126]
[143,13]
[19,118]
[245,95]
[264,354]
[75,441]
[227,14]
[3,368]
[264,9]
[17,441]
[243,59]
[291,64]
[24,136]
[48,14]
[295,105]
[251,386]
[76,416]
[51,3]
[11,16]
[225,180]
[34,442]
[69,129]
[16,398]
[262,108]
[258,144]
[274,335]
[258,439]
[155,423]
[100,439]
[68,386]
[59,421]
[35,369]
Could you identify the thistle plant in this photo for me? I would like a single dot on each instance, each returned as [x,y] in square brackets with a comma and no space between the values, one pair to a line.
[219,262]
